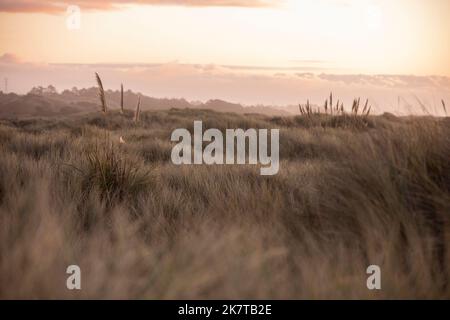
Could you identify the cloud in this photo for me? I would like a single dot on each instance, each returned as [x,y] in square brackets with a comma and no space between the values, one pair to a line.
[9,58]
[389,81]
[57,6]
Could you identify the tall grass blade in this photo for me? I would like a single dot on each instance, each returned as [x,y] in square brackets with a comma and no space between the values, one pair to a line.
[101,93]
[138,110]
[121,98]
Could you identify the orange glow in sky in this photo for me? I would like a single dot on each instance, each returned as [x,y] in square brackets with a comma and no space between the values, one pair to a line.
[340,36]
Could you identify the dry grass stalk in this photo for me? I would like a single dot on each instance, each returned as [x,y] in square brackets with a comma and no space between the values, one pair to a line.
[101,93]
[121,98]
[331,98]
[302,111]
[358,117]
[138,110]
[366,105]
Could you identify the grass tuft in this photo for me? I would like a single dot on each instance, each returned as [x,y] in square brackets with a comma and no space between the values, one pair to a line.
[116,178]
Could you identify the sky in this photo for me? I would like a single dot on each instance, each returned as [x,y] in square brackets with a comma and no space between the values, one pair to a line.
[200,48]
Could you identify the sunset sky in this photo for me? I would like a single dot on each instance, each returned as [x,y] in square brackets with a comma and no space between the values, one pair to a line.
[340,37]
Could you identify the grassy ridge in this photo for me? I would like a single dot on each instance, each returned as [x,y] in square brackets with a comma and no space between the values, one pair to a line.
[349,193]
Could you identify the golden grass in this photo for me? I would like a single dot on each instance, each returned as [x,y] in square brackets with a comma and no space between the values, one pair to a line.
[140,227]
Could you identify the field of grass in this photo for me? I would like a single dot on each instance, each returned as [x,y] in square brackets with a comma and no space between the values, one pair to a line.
[351,192]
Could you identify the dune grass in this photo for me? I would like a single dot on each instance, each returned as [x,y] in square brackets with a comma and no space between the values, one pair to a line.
[347,196]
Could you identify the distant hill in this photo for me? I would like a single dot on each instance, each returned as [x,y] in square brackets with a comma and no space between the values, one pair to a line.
[48,102]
